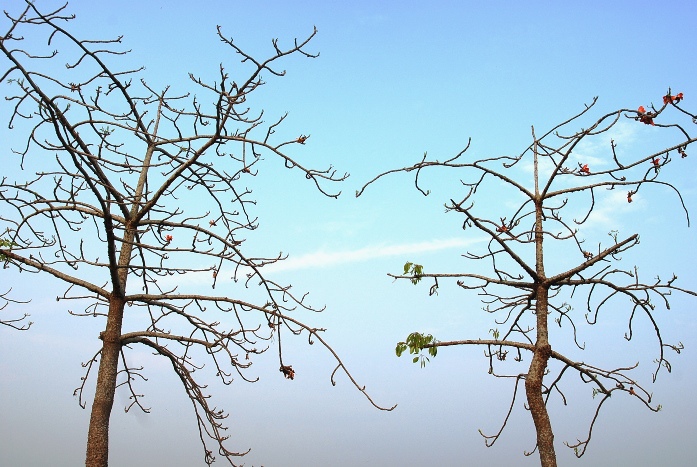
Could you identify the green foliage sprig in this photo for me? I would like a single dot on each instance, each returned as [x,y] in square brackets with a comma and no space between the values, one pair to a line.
[416,342]
[5,244]
[415,270]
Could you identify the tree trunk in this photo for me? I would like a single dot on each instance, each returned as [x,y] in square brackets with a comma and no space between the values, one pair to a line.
[543,350]
[98,434]
[533,385]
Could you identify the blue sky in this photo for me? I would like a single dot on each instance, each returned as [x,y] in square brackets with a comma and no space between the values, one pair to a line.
[393,80]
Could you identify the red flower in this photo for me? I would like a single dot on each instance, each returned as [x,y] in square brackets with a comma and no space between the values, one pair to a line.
[629,197]
[502,229]
[211,223]
[168,238]
[647,119]
[302,139]
[667,99]
[644,117]
[656,164]
[585,169]
[682,152]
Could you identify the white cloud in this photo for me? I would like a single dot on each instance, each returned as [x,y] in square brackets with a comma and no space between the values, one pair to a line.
[611,210]
[596,150]
[593,150]
[324,258]
[318,259]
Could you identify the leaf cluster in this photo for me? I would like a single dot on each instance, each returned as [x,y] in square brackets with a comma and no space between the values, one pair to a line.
[414,270]
[5,244]
[416,342]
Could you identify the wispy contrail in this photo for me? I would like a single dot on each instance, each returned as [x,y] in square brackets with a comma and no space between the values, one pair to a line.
[326,258]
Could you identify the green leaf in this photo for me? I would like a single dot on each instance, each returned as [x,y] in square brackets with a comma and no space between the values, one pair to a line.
[416,270]
[416,359]
[401,347]
[5,244]
[407,267]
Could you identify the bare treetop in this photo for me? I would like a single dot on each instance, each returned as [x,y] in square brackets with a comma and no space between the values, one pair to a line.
[135,192]
[533,226]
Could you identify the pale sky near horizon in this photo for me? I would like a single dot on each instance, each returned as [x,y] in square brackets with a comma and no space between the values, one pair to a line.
[394,79]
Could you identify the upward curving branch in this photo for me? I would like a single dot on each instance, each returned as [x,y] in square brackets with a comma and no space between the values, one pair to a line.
[521,293]
[136,198]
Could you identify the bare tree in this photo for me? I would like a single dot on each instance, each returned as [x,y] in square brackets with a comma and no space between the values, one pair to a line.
[126,194]
[553,205]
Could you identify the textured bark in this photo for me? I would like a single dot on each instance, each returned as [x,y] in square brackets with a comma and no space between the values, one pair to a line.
[543,350]
[98,434]
[533,385]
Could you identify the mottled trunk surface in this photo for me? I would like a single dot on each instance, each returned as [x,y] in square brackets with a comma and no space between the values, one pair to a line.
[543,350]
[98,434]
[533,385]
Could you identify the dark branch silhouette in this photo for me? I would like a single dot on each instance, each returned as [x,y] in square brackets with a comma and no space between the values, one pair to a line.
[131,196]
[520,292]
